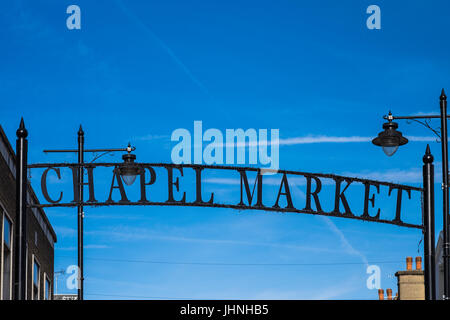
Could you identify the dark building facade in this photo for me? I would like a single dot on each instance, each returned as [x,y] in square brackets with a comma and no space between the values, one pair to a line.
[41,237]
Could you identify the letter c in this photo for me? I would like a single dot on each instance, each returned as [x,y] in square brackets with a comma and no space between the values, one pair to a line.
[44,184]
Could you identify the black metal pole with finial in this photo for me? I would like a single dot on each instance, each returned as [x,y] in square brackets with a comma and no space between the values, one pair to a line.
[444,142]
[80,212]
[428,222]
[386,138]
[21,216]
[78,197]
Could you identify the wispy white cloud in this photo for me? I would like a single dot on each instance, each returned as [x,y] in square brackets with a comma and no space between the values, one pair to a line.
[323,139]
[150,137]
[422,139]
[225,181]
[52,213]
[120,216]
[96,246]
[314,139]
[420,113]
[89,246]
[277,294]
[412,175]
[137,234]
[309,139]
[338,290]
[267,181]
[65,231]
[334,291]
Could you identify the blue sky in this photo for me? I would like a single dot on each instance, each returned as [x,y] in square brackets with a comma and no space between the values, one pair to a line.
[136,71]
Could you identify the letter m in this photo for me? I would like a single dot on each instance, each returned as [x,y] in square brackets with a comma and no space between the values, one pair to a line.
[257,184]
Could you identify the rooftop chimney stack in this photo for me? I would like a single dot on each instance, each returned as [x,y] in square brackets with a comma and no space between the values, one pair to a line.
[409,261]
[411,283]
[389,294]
[418,263]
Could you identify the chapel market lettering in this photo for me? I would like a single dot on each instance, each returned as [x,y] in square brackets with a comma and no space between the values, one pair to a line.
[248,198]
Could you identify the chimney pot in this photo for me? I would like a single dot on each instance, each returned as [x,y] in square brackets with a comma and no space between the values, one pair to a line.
[389,294]
[418,263]
[409,263]
[380,294]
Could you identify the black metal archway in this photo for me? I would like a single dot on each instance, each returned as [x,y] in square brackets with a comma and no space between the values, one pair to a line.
[249,200]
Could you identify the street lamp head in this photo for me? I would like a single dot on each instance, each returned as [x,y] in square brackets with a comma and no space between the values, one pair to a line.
[129,170]
[390,139]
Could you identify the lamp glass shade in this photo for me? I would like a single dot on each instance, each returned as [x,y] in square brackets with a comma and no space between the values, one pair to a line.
[128,170]
[129,178]
[389,151]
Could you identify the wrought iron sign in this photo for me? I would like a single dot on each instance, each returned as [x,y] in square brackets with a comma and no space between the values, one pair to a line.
[256,192]
[251,190]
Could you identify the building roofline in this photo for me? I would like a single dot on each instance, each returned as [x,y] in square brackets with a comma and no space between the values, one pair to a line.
[30,188]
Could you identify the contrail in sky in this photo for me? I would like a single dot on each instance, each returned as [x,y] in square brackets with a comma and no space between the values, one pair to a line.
[169,51]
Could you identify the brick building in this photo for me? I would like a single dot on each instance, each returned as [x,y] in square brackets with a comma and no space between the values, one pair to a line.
[40,234]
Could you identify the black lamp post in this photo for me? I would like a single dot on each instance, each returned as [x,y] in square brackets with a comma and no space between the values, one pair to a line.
[128,172]
[390,139]
[20,228]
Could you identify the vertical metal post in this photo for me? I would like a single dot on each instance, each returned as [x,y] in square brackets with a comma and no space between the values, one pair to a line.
[444,138]
[429,240]
[80,211]
[21,213]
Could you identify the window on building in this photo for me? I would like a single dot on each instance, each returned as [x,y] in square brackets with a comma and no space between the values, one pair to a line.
[47,293]
[7,258]
[36,279]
